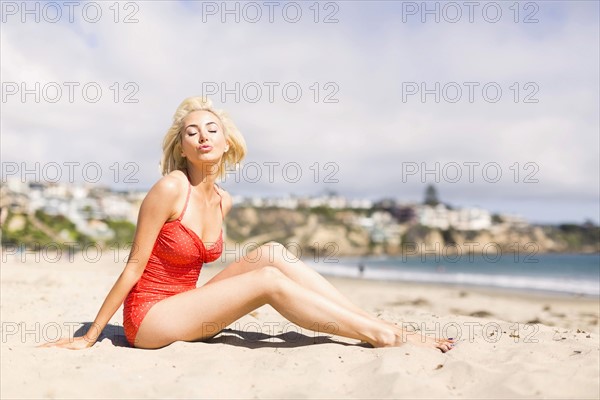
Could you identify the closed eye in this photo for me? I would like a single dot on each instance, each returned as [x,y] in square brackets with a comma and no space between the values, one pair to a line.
[192,133]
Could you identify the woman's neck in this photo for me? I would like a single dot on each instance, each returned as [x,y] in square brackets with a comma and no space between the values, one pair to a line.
[203,180]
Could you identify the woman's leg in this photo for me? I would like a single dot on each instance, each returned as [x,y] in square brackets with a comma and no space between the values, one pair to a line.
[201,313]
[276,255]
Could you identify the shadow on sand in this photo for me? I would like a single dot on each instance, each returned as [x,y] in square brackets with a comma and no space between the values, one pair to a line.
[233,337]
[114,333]
[256,340]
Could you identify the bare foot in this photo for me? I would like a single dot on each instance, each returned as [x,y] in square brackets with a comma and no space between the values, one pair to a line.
[402,336]
[427,341]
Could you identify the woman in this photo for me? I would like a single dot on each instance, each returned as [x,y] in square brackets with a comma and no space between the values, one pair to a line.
[180,227]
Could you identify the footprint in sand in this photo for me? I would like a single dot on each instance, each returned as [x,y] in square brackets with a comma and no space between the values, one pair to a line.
[417,302]
[481,314]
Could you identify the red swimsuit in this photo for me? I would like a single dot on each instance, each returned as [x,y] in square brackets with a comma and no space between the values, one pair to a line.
[173,267]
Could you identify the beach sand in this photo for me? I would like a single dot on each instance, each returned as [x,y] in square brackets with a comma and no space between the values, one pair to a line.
[510,345]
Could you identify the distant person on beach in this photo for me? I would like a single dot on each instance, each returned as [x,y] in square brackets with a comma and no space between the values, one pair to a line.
[361,269]
[180,227]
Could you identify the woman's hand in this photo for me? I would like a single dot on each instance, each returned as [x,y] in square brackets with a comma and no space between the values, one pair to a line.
[76,343]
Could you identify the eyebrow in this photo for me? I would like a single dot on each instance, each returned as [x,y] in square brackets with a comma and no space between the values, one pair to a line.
[196,126]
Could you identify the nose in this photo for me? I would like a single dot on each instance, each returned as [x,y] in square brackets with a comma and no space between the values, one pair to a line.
[202,137]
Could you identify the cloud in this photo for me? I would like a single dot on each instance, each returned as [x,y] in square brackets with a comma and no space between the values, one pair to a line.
[362,61]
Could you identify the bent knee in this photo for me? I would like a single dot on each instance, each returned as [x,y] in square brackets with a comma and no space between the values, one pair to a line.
[270,272]
[272,245]
[273,278]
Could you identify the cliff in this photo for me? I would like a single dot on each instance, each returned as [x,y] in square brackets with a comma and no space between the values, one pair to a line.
[330,232]
[323,232]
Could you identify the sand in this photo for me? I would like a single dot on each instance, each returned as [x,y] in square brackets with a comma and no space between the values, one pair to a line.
[511,345]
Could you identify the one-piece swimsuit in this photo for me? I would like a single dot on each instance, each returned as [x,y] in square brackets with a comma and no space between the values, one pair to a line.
[173,267]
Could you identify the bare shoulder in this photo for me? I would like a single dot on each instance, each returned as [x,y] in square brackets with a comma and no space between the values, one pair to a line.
[172,182]
[159,205]
[166,191]
[227,201]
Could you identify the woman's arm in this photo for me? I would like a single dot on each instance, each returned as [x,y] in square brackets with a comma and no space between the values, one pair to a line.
[159,205]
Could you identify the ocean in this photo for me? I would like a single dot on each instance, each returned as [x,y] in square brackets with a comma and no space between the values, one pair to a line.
[551,273]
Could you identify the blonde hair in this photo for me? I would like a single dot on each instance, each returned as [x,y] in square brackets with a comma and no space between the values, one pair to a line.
[171,158]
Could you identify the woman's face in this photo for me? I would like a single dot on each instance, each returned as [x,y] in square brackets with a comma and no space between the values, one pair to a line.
[202,138]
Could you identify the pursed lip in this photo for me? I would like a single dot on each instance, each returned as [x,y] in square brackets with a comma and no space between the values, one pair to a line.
[205,147]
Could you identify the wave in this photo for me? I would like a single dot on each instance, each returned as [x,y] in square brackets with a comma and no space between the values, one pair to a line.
[515,282]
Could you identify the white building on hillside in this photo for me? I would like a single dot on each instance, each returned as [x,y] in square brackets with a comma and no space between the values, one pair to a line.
[463,219]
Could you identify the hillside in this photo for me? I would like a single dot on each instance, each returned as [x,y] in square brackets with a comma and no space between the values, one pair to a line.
[326,232]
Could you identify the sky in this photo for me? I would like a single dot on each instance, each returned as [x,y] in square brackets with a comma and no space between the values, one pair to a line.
[494,103]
